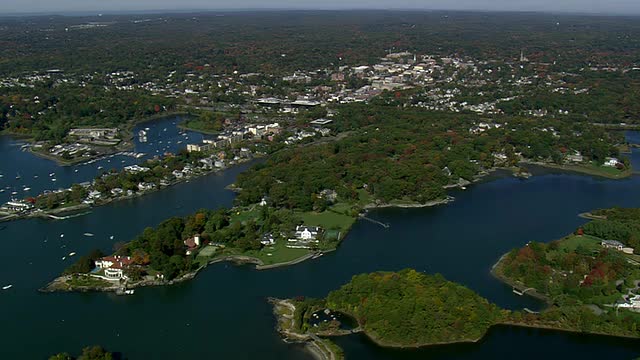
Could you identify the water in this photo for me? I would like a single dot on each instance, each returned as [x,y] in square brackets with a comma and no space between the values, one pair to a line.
[34,171]
[223,313]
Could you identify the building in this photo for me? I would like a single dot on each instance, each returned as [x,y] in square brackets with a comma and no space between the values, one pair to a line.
[268,239]
[307,233]
[612,244]
[198,147]
[611,162]
[134,169]
[17,206]
[192,244]
[114,266]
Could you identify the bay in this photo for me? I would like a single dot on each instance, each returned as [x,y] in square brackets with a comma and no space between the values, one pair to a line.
[223,313]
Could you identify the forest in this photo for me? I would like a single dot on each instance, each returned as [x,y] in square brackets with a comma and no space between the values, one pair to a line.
[409,308]
[577,267]
[396,153]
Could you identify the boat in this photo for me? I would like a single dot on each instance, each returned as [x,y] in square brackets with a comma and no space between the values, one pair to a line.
[52,174]
[1,176]
[64,258]
[88,234]
[1,190]
[100,168]
[71,254]
[147,129]
[35,176]
[18,176]
[111,237]
[61,235]
[464,188]
[27,189]
[14,193]
[6,287]
[76,170]
[53,179]
[129,291]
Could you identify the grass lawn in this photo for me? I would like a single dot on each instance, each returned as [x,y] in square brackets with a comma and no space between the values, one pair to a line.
[327,220]
[594,169]
[364,198]
[88,281]
[341,207]
[570,243]
[207,251]
[280,253]
[241,215]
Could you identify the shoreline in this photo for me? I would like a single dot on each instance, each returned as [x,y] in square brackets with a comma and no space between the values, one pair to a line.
[576,169]
[59,284]
[46,213]
[431,203]
[496,272]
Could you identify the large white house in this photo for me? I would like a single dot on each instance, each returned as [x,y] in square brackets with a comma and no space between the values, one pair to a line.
[307,233]
[114,266]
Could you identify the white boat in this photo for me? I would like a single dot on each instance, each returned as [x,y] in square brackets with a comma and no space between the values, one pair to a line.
[76,170]
[35,176]
[147,129]
[53,180]
[129,292]
[111,237]
[1,190]
[464,188]
[100,168]
[27,189]
[14,193]
[6,287]
[88,234]
[71,254]
[52,174]
[61,235]
[64,258]
[1,176]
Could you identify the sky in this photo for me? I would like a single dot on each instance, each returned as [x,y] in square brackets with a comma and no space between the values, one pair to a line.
[67,6]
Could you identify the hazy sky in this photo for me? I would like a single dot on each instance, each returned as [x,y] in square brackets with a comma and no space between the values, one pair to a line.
[581,6]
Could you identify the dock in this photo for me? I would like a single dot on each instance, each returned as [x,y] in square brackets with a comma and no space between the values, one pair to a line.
[384,225]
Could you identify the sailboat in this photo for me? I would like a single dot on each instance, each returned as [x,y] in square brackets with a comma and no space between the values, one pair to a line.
[18,176]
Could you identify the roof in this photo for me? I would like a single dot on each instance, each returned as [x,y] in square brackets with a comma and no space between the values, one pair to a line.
[118,262]
[191,243]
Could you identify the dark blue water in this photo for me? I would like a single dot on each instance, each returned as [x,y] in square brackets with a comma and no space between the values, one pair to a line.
[223,313]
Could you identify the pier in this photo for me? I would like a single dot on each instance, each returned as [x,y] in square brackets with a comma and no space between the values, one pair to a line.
[386,226]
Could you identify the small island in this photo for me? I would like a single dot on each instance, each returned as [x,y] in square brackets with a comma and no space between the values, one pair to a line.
[410,309]
[89,353]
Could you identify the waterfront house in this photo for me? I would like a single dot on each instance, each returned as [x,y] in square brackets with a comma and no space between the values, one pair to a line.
[114,266]
[268,239]
[610,162]
[307,233]
[192,244]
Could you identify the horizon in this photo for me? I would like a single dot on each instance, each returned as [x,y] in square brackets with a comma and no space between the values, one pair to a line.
[137,7]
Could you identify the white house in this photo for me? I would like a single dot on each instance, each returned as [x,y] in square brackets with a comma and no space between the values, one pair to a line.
[307,233]
[612,244]
[611,162]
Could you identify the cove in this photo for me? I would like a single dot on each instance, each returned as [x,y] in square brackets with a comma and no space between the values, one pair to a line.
[223,312]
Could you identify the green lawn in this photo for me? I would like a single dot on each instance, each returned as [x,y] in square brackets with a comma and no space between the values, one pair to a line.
[207,251]
[328,220]
[570,243]
[280,253]
[242,215]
